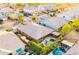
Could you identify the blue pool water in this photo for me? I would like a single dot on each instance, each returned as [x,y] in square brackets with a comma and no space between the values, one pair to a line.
[58,51]
[20,51]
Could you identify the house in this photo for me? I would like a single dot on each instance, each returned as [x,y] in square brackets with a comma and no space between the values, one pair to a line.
[29,10]
[44,16]
[9,42]
[34,31]
[70,39]
[54,23]
[73,50]
[69,15]
[46,7]
[4,13]
[8,24]
[39,8]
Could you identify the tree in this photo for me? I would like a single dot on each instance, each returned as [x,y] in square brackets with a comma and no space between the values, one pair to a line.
[48,48]
[39,49]
[75,23]
[34,18]
[51,46]
[66,28]
[21,18]
[33,4]
[20,5]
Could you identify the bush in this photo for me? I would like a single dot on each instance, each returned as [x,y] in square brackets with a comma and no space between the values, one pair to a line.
[35,47]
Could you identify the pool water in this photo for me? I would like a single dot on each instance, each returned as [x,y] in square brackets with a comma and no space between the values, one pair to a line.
[58,51]
[20,51]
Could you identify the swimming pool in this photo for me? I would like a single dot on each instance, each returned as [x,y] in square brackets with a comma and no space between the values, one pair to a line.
[58,51]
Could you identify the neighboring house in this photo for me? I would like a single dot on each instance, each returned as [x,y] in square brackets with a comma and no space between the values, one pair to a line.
[69,15]
[4,13]
[29,9]
[73,50]
[44,16]
[46,7]
[9,42]
[8,24]
[53,23]
[39,8]
[70,39]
